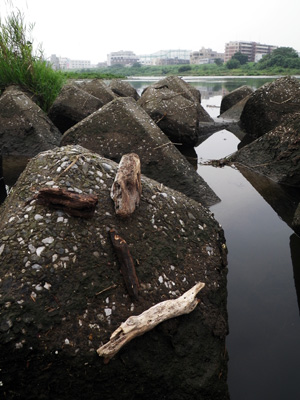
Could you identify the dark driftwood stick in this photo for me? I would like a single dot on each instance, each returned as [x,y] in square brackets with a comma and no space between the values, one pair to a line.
[78,205]
[127,189]
[127,265]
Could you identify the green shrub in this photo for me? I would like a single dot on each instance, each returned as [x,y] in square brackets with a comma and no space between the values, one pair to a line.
[20,66]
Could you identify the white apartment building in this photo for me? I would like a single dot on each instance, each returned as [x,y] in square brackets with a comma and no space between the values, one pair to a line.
[65,63]
[167,55]
[121,57]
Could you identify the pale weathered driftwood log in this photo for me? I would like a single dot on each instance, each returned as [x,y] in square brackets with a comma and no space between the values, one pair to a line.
[78,205]
[137,325]
[127,265]
[127,189]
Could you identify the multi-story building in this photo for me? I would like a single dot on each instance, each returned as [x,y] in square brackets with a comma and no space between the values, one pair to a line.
[64,63]
[122,57]
[166,57]
[79,64]
[205,56]
[250,49]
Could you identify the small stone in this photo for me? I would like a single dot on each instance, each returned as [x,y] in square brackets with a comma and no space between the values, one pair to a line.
[48,240]
[39,250]
[47,285]
[107,311]
[31,248]
[2,248]
[38,217]
[191,216]
[37,267]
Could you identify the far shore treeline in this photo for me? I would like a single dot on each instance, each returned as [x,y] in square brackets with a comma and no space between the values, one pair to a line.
[282,61]
[20,65]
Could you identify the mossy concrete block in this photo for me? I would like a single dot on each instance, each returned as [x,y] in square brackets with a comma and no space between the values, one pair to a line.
[234,97]
[121,127]
[62,293]
[71,106]
[276,154]
[269,104]
[99,89]
[25,130]
[123,89]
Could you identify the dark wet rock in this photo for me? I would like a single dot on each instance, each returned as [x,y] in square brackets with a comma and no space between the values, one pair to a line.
[234,112]
[98,88]
[122,126]
[71,106]
[174,107]
[276,154]
[190,154]
[178,85]
[2,184]
[268,104]
[234,97]
[57,307]
[176,116]
[24,127]
[123,89]
[296,220]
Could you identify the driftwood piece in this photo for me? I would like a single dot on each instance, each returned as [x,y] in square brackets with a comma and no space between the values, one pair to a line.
[127,189]
[78,205]
[127,265]
[137,325]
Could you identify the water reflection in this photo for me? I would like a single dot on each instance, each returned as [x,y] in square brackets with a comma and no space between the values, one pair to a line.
[295,255]
[283,199]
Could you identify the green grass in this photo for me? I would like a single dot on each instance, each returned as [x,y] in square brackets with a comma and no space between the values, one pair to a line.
[249,69]
[20,66]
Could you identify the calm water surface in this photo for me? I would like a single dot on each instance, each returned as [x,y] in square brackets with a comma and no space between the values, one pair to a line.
[264,268]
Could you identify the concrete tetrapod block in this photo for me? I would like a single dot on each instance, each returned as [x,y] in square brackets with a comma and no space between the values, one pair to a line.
[121,127]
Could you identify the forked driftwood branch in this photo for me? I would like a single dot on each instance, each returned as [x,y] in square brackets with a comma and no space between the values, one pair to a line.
[127,189]
[137,325]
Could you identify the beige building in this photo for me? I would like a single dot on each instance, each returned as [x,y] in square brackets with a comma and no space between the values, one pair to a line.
[253,50]
[122,57]
[205,56]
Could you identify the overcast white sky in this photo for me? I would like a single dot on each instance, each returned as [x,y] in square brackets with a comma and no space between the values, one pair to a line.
[90,29]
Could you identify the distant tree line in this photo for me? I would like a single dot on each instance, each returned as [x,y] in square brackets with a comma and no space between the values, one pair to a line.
[284,57]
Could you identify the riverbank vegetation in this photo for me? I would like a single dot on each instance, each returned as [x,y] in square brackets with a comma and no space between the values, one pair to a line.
[20,65]
[283,61]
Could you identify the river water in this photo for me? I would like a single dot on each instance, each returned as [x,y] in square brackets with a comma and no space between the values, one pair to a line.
[263,263]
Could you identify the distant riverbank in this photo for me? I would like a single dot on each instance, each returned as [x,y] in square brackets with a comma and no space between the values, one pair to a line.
[249,69]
